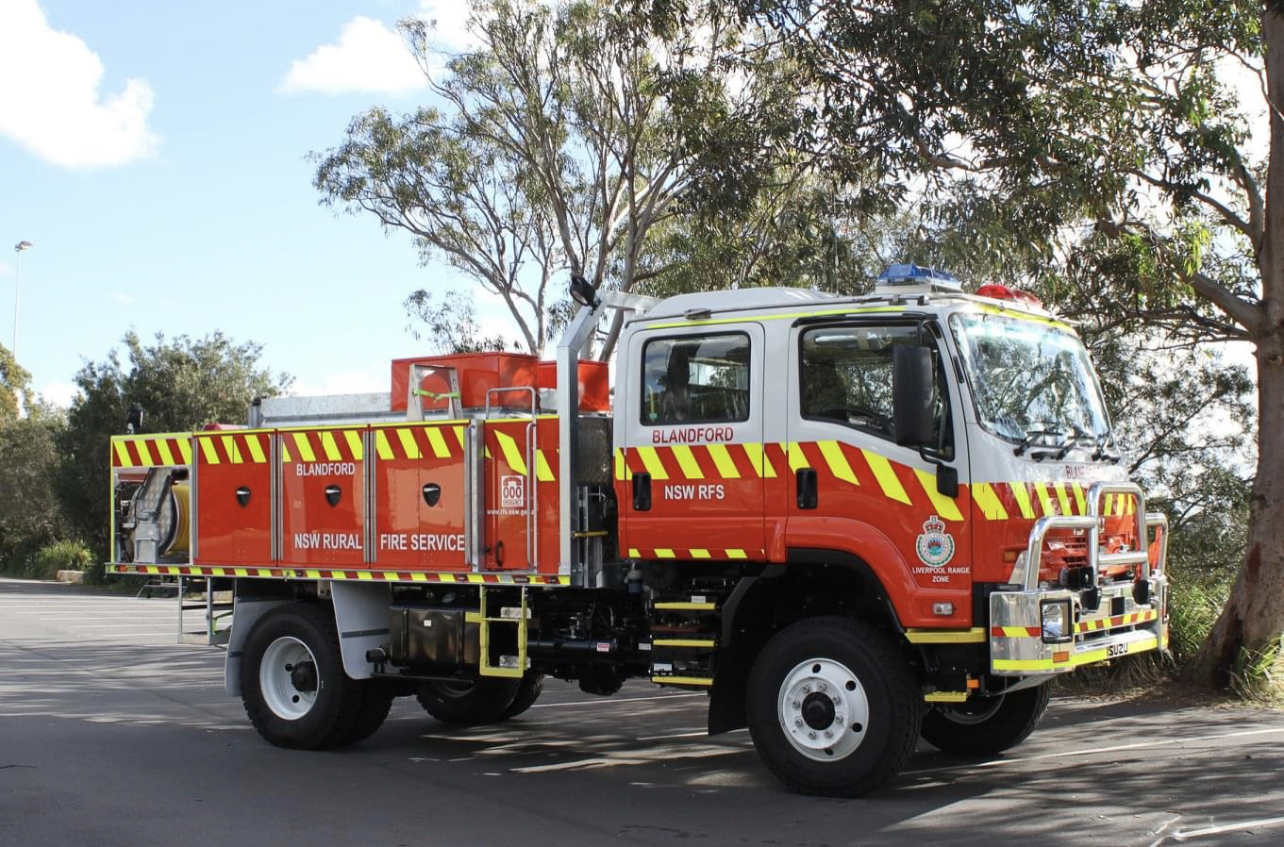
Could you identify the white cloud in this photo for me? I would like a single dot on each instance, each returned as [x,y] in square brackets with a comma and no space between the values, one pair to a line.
[60,393]
[50,101]
[450,24]
[366,381]
[368,57]
[5,269]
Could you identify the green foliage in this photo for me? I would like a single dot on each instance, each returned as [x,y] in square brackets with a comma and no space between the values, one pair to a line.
[59,556]
[181,384]
[449,323]
[15,386]
[30,514]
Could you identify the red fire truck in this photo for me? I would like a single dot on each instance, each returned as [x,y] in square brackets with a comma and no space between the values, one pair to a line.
[854,522]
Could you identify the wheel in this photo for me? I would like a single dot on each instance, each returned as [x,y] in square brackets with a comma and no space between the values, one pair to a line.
[833,707]
[528,691]
[986,725]
[468,702]
[292,681]
[376,701]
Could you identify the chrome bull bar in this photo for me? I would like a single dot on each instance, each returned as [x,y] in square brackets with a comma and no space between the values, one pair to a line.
[1017,647]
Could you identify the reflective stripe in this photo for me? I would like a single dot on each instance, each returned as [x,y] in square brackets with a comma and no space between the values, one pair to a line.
[354,444]
[699,553]
[162,447]
[408,443]
[837,461]
[945,506]
[305,447]
[687,461]
[122,454]
[651,460]
[976,635]
[797,459]
[512,455]
[208,451]
[663,553]
[722,460]
[1022,495]
[185,448]
[330,447]
[988,502]
[886,477]
[256,449]
[543,473]
[382,447]
[760,461]
[1078,498]
[1063,498]
[1044,500]
[438,444]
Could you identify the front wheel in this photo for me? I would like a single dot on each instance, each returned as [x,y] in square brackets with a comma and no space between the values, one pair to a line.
[984,726]
[833,707]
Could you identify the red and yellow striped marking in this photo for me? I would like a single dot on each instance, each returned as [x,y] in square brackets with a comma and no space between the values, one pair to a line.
[1130,619]
[327,573]
[151,451]
[234,448]
[733,554]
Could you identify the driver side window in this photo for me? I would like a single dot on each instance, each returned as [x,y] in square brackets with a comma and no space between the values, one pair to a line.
[847,378]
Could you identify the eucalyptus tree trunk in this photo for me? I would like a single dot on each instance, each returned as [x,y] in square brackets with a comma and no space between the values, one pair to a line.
[1253,619]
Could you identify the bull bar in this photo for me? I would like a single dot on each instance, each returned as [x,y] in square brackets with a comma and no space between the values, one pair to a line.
[1124,621]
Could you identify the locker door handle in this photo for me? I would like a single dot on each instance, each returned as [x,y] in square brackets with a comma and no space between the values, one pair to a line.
[807,495]
[642,492]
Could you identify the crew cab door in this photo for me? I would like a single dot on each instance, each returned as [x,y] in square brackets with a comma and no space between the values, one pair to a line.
[854,489]
[693,458]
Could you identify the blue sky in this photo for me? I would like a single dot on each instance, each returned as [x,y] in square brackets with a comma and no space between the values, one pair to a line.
[173,193]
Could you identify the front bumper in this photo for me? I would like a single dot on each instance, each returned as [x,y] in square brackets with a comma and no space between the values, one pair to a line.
[1119,627]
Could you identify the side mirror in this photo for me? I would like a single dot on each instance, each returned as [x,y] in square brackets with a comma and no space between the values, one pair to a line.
[912,387]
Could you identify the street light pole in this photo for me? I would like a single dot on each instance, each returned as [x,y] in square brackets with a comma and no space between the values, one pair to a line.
[17,279]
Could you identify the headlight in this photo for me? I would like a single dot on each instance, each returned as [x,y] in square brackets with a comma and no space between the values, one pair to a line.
[1057,624]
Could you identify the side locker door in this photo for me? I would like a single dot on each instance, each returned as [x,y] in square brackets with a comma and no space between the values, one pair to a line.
[419,496]
[323,496]
[234,497]
[854,489]
[694,463]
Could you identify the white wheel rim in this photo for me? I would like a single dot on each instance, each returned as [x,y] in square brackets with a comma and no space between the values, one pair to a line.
[823,710]
[283,678]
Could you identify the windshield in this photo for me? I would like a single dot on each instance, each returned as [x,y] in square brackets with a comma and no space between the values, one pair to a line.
[1031,381]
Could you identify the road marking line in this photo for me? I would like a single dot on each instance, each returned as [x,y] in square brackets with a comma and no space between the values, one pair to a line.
[1230,827]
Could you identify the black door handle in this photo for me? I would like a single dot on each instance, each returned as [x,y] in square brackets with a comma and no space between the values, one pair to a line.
[641,492]
[807,495]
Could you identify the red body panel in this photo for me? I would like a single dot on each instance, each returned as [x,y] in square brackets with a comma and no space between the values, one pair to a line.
[477,374]
[229,532]
[323,497]
[419,463]
[520,476]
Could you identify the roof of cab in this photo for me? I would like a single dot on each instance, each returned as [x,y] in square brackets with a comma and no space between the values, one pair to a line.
[735,300]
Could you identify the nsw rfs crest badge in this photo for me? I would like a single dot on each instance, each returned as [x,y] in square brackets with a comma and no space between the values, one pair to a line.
[935,546]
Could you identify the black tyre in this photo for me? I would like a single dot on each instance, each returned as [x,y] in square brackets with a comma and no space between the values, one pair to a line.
[528,691]
[833,707]
[468,702]
[984,726]
[292,681]
[376,701]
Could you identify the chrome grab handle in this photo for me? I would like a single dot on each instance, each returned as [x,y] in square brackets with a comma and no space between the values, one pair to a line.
[1159,520]
[1141,557]
[1092,523]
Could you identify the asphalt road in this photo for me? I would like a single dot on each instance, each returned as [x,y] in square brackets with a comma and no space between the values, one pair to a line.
[112,734]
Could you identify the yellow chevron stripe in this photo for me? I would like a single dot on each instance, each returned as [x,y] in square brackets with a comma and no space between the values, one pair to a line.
[285,452]
[1063,498]
[305,448]
[229,444]
[162,447]
[512,455]
[619,463]
[438,444]
[1078,498]
[460,436]
[838,464]
[355,446]
[737,554]
[408,442]
[256,449]
[663,553]
[382,448]
[699,553]
[988,502]
[759,459]
[635,553]
[122,454]
[208,451]
[543,473]
[945,506]
[144,455]
[797,458]
[887,480]
[1044,500]
[651,460]
[330,447]
[687,461]
[1022,495]
[185,449]
[722,459]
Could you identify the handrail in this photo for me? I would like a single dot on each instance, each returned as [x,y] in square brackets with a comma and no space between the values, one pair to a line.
[1160,520]
[1141,557]
[1034,550]
[1093,523]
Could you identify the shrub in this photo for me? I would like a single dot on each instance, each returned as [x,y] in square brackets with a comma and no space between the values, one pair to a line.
[59,556]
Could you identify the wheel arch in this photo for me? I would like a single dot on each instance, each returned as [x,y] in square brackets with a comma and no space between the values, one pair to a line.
[814,583]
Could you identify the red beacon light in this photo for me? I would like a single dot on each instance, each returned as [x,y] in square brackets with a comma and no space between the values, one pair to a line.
[1003,292]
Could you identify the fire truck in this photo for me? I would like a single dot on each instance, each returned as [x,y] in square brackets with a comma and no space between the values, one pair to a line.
[854,522]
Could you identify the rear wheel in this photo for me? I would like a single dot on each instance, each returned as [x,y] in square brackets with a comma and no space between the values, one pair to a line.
[528,691]
[376,702]
[984,726]
[833,707]
[468,702]
[293,685]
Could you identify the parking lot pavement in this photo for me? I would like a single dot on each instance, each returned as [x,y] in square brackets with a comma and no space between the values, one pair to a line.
[112,734]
